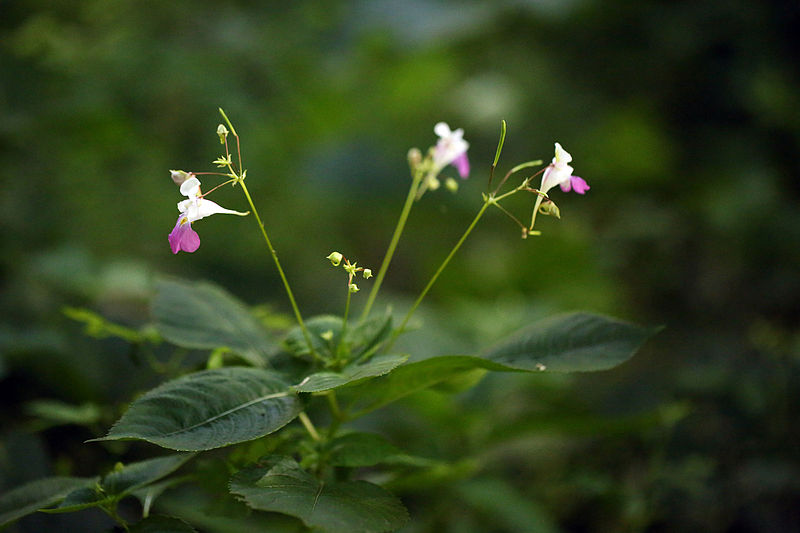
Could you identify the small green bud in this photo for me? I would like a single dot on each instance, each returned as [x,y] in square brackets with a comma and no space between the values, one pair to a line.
[434,183]
[549,208]
[179,176]
[327,335]
[353,288]
[335,258]
[222,131]
[451,185]
[367,273]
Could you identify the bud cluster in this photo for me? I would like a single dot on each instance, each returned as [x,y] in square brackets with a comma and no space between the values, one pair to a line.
[352,270]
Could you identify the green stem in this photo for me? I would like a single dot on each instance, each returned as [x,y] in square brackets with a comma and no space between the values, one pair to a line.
[297,315]
[490,200]
[398,231]
[342,342]
[309,425]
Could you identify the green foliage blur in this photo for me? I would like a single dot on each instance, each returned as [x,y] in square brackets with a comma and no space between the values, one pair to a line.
[682,116]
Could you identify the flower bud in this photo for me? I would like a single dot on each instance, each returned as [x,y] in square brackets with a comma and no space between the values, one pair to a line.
[367,273]
[414,158]
[549,208]
[335,258]
[222,131]
[179,176]
[327,335]
[353,288]
[451,185]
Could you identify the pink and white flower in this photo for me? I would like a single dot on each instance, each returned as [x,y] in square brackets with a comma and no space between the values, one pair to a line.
[559,172]
[182,236]
[451,149]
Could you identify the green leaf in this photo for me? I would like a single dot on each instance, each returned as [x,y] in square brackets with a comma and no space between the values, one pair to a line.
[410,378]
[317,326]
[54,412]
[377,366]
[280,485]
[162,524]
[38,494]
[122,481]
[361,449]
[136,475]
[202,315]
[577,342]
[360,338]
[209,409]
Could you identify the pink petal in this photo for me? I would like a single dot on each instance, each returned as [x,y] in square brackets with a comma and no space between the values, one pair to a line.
[183,237]
[462,165]
[579,184]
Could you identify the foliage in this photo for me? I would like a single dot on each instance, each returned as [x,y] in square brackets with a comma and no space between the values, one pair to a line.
[683,117]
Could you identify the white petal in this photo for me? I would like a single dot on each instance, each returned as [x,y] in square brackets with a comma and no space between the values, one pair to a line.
[184,205]
[442,130]
[190,187]
[206,208]
[562,156]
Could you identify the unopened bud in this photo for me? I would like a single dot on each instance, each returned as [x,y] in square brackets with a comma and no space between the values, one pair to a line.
[222,131]
[414,158]
[327,335]
[451,185]
[353,288]
[434,183]
[367,273]
[179,176]
[549,208]
[335,258]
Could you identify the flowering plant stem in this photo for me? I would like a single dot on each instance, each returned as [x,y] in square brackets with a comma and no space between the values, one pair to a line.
[489,201]
[239,178]
[398,231]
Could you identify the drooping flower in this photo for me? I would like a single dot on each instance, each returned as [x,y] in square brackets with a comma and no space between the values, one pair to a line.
[451,149]
[559,172]
[182,236]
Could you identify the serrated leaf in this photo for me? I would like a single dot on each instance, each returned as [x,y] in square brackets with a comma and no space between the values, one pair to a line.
[576,342]
[38,494]
[280,485]
[202,315]
[209,409]
[361,449]
[121,482]
[377,366]
[162,524]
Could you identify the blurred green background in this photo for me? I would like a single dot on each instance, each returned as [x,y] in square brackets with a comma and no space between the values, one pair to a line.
[684,117]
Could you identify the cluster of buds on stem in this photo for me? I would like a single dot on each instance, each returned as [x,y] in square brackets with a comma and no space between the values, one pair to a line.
[351,268]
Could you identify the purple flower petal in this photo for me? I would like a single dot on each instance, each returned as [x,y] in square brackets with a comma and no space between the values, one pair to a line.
[462,165]
[579,185]
[183,237]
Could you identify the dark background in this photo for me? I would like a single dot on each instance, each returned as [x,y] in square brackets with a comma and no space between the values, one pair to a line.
[684,117]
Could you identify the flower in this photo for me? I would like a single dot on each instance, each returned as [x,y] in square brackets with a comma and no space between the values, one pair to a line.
[182,236]
[559,172]
[451,149]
